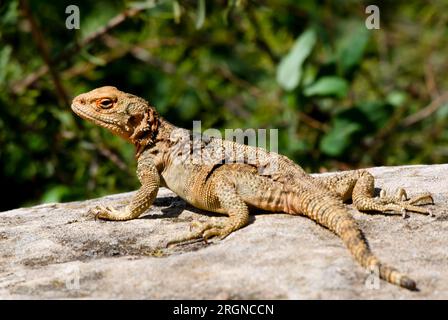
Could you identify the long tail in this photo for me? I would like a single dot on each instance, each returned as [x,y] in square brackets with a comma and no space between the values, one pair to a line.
[332,214]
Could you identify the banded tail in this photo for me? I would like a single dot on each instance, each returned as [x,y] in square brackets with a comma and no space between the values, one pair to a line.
[331,213]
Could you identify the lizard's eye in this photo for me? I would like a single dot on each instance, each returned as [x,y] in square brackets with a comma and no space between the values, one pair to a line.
[105,103]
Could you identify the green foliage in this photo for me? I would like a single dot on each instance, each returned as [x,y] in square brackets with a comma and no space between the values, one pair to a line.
[200,14]
[328,86]
[352,46]
[289,70]
[340,95]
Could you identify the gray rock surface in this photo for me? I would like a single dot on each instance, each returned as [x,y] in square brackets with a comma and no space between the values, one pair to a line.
[59,251]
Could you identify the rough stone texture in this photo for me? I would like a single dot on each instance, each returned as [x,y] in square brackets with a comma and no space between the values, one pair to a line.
[44,249]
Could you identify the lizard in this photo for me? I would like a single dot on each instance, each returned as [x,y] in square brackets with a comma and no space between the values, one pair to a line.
[229,178]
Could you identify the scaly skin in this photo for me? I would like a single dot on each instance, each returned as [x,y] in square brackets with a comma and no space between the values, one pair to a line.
[226,177]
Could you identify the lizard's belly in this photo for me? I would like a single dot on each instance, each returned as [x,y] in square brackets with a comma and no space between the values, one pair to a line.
[190,184]
[175,181]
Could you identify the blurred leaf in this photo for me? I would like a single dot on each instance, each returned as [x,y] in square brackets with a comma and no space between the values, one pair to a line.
[353,47]
[227,10]
[442,112]
[11,14]
[177,12]
[147,4]
[93,21]
[37,142]
[289,70]
[200,18]
[338,138]
[92,59]
[328,86]
[5,54]
[377,112]
[396,98]
[309,75]
[65,118]
[55,194]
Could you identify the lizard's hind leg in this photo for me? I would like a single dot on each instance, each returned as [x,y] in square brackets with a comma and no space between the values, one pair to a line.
[230,203]
[360,185]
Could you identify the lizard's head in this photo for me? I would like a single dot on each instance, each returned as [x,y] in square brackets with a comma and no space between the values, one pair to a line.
[124,114]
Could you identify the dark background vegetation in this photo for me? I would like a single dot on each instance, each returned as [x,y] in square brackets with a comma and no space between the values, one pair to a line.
[364,97]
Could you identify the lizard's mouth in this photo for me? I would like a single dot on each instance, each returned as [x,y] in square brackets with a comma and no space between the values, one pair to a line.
[99,119]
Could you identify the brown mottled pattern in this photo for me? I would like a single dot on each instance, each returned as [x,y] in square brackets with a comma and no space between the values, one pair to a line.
[227,177]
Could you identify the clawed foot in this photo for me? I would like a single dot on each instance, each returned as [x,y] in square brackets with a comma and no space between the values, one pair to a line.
[107,213]
[204,231]
[401,203]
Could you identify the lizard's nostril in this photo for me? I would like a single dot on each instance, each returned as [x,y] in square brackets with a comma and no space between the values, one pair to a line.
[79,100]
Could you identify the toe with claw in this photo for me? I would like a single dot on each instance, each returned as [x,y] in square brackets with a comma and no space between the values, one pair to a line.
[401,203]
[107,213]
[204,231]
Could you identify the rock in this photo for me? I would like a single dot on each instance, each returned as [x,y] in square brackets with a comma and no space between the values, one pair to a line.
[59,251]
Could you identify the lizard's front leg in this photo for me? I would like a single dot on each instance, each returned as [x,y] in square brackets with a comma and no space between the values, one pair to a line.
[359,185]
[149,178]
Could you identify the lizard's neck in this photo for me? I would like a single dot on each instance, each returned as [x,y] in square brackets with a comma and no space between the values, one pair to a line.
[160,137]
[165,130]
